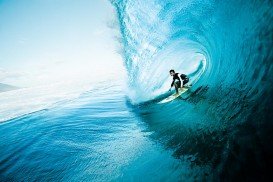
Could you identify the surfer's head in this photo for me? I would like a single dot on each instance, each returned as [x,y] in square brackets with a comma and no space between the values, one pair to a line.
[172,72]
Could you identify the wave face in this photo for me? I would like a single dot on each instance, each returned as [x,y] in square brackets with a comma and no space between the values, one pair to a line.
[228,115]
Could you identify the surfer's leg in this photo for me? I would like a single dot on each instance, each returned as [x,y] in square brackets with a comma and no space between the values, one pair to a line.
[176,88]
[185,81]
[177,85]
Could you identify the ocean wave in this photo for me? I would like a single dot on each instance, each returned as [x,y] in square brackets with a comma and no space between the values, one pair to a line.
[231,98]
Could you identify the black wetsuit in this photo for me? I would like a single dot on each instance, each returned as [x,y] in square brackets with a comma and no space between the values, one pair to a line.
[185,78]
[177,80]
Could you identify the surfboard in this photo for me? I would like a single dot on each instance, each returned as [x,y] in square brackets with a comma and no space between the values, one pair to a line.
[175,95]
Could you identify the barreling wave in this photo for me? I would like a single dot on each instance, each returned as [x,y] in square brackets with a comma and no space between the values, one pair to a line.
[231,101]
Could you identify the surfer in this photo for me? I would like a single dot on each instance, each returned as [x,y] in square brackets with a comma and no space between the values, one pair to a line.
[178,80]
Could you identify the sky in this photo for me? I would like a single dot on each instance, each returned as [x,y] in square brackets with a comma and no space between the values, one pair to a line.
[44,41]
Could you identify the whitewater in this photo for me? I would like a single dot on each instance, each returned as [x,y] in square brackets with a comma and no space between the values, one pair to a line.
[115,130]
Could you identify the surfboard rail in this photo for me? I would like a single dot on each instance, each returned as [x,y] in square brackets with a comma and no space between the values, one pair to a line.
[175,95]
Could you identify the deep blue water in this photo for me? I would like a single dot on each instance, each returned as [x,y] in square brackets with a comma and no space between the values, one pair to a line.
[221,130]
[96,137]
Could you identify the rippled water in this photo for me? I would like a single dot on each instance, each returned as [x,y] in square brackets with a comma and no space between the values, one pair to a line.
[94,137]
[226,120]
[220,130]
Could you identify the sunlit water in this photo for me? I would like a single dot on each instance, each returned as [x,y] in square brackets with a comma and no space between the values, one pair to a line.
[94,137]
[221,129]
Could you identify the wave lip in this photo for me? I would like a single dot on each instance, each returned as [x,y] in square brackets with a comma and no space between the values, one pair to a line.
[153,45]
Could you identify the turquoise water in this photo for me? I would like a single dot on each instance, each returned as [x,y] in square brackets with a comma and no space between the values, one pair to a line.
[220,130]
[97,136]
[226,121]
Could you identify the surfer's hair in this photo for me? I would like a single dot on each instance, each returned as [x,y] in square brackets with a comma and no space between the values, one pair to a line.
[172,71]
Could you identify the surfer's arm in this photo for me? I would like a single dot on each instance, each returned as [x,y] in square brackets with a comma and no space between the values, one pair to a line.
[180,78]
[172,83]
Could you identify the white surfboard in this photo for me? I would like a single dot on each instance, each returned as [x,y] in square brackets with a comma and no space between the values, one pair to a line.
[175,95]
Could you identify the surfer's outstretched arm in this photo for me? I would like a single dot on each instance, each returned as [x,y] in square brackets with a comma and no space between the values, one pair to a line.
[171,85]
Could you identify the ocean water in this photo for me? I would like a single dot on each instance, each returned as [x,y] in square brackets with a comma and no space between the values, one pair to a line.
[221,130]
[226,121]
[95,137]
